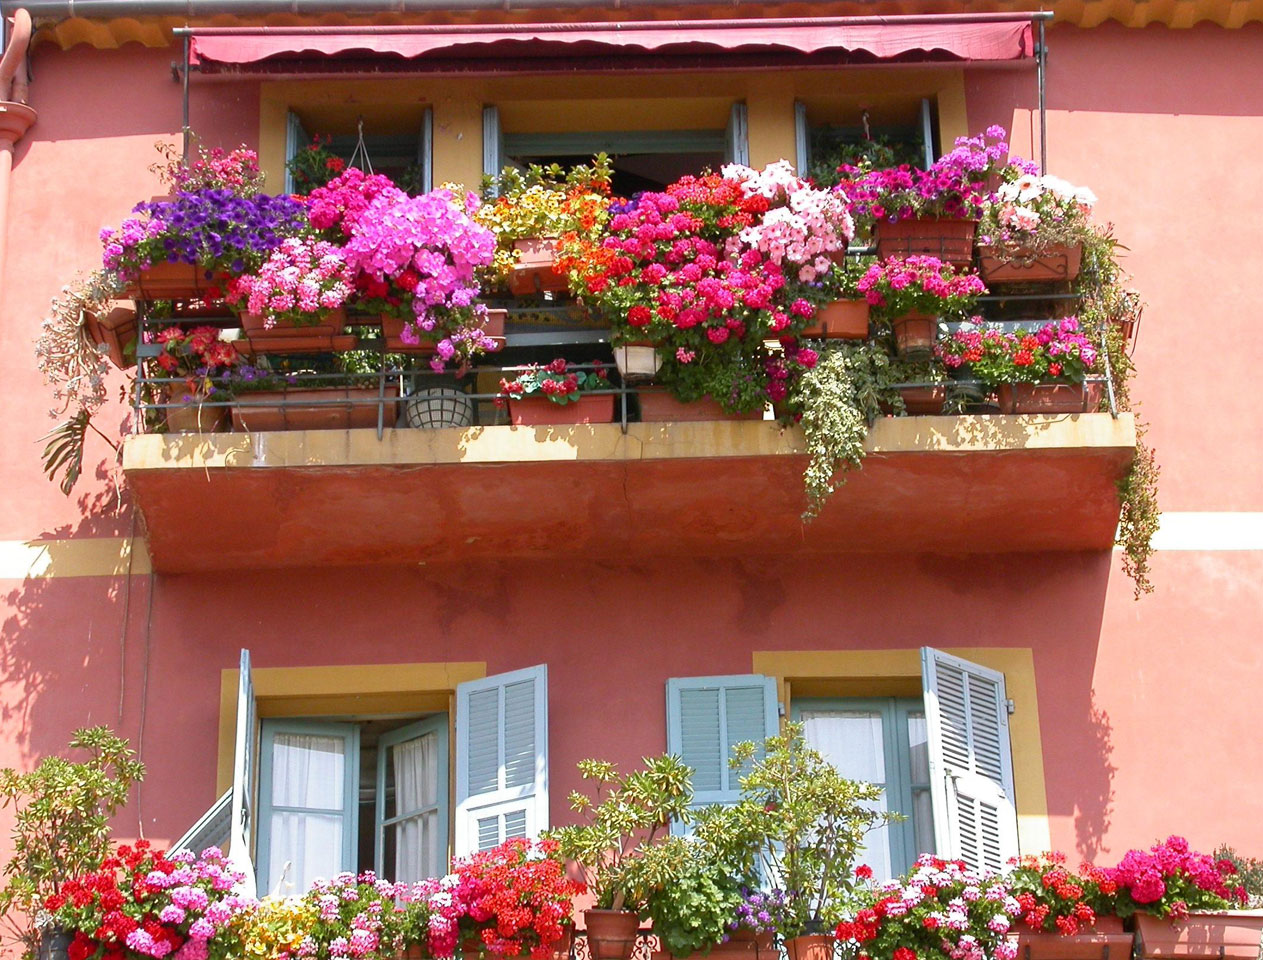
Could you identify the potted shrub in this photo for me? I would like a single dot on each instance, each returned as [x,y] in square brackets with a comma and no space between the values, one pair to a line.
[1033,228]
[559,393]
[194,362]
[929,213]
[1182,901]
[1064,915]
[627,814]
[802,822]
[61,814]
[915,296]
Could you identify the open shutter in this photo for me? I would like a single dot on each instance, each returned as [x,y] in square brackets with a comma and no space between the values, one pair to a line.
[295,139]
[501,758]
[241,826]
[492,143]
[971,768]
[707,717]
[737,136]
[802,138]
[927,132]
[213,828]
[425,150]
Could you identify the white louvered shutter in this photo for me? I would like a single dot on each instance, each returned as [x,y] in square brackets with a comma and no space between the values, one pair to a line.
[737,136]
[245,755]
[707,717]
[501,759]
[971,767]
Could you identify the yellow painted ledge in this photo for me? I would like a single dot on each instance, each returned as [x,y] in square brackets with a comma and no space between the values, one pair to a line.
[85,557]
[607,442]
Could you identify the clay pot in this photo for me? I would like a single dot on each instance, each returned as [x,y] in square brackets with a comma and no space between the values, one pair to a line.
[1105,941]
[950,240]
[193,416]
[116,330]
[172,281]
[1231,935]
[747,945]
[611,933]
[540,412]
[1056,263]
[533,272]
[392,331]
[1049,397]
[840,320]
[295,410]
[814,946]
[924,401]
[657,406]
[915,334]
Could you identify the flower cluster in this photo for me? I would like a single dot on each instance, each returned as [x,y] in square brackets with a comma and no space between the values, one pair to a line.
[1028,212]
[556,381]
[198,355]
[1057,351]
[236,171]
[919,285]
[1055,899]
[957,185]
[314,165]
[763,911]
[1169,879]
[336,207]
[144,903]
[941,911]
[302,281]
[354,918]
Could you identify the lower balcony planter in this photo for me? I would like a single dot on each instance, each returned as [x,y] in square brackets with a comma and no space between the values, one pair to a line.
[539,411]
[948,239]
[116,330]
[915,334]
[1049,397]
[637,361]
[923,401]
[840,320]
[658,406]
[1231,935]
[172,281]
[1055,264]
[287,336]
[392,331]
[193,416]
[812,946]
[312,409]
[611,933]
[1105,941]
[533,270]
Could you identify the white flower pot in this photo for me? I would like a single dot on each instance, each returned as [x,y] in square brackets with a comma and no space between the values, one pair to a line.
[637,362]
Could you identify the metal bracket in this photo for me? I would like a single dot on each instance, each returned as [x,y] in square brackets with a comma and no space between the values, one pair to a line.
[1010,707]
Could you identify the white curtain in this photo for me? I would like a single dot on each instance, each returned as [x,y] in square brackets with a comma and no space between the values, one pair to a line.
[308,772]
[416,789]
[853,741]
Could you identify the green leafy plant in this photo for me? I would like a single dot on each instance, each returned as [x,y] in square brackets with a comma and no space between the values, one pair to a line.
[1249,872]
[626,814]
[61,823]
[691,895]
[314,165]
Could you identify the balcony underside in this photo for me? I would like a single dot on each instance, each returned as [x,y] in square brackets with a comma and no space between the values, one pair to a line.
[929,484]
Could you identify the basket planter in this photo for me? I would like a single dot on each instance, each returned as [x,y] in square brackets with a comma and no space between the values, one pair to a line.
[1229,935]
[533,271]
[1057,263]
[840,320]
[172,281]
[540,411]
[115,330]
[915,334]
[1105,941]
[950,240]
[1049,397]
[310,409]
[611,933]
[813,946]
[192,417]
[657,406]
[437,408]
[392,331]
[637,361]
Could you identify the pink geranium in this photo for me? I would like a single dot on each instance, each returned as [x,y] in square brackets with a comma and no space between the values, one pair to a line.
[303,281]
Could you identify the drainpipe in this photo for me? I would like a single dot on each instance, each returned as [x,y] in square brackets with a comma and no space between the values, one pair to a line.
[15,116]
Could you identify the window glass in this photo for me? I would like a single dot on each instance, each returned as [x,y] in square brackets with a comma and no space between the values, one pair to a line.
[307,822]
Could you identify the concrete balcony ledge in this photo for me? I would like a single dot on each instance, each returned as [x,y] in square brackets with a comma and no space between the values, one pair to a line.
[942,484]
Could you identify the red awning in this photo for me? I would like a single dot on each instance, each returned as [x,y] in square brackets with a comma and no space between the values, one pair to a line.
[881,39]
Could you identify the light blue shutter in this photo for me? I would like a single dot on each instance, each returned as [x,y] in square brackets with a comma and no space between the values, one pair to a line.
[492,143]
[927,132]
[295,139]
[971,766]
[802,137]
[501,758]
[241,826]
[737,136]
[707,717]
[425,150]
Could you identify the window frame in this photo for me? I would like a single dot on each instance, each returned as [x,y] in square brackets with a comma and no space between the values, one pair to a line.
[437,724]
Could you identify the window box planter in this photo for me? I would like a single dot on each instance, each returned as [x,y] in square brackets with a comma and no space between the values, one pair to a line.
[840,320]
[1049,397]
[286,336]
[309,409]
[539,411]
[533,272]
[950,240]
[1058,263]
[116,331]
[392,331]
[172,281]
[747,945]
[611,933]
[1232,935]
[915,334]
[1106,941]
[658,406]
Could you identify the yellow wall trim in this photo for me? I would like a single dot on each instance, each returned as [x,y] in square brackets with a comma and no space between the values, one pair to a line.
[889,671]
[93,557]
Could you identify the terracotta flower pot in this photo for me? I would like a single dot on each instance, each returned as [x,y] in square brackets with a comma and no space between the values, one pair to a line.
[949,240]
[924,401]
[813,946]
[533,272]
[116,330]
[1056,263]
[915,334]
[540,411]
[193,416]
[413,951]
[840,320]
[1049,397]
[746,945]
[309,409]
[658,406]
[1105,941]
[561,949]
[611,933]
[1232,935]
[172,281]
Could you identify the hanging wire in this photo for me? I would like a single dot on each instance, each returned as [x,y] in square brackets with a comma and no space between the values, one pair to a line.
[359,156]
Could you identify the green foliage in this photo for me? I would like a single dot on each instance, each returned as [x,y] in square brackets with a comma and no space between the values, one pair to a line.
[314,165]
[61,824]
[63,449]
[1139,516]
[733,376]
[839,399]
[691,895]
[623,818]
[832,146]
[799,821]
[591,177]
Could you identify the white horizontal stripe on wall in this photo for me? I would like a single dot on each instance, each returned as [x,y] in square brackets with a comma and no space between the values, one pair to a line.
[1198,530]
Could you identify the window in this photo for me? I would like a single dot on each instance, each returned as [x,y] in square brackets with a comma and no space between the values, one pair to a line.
[397,138]
[885,130]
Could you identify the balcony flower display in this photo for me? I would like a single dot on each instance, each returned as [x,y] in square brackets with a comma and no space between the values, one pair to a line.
[335,208]
[353,917]
[1056,900]
[532,392]
[1033,228]
[144,903]
[304,282]
[236,171]
[941,911]
[914,294]
[201,360]
[1171,880]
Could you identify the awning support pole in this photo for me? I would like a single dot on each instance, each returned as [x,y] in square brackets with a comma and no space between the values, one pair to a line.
[185,77]
[1041,70]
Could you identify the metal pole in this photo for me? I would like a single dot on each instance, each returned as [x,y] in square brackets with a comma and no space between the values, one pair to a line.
[185,79]
[1042,72]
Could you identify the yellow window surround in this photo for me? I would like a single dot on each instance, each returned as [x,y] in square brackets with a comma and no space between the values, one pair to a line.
[896,673]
